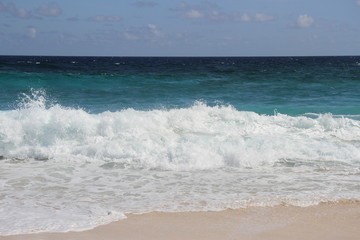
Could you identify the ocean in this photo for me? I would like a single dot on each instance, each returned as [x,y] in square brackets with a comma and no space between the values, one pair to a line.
[86,140]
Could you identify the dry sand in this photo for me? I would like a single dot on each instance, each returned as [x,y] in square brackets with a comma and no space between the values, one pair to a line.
[328,221]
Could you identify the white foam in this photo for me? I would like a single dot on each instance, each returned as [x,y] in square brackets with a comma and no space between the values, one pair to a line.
[200,137]
[95,167]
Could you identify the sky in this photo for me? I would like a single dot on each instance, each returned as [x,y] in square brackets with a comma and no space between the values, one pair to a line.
[180,28]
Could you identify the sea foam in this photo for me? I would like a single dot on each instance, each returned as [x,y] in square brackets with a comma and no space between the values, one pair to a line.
[67,169]
[198,137]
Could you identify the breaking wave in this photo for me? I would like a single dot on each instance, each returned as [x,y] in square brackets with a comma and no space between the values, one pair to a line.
[198,137]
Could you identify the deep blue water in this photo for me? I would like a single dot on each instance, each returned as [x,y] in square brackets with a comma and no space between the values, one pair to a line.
[290,85]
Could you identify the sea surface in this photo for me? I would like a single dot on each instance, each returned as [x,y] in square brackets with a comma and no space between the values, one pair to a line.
[86,140]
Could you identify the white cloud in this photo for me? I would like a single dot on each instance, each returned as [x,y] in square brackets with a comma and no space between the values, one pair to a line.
[261,17]
[204,10]
[49,10]
[149,32]
[181,6]
[152,26]
[15,11]
[304,21]
[130,36]
[218,16]
[31,32]
[245,18]
[212,12]
[154,30]
[192,13]
[100,18]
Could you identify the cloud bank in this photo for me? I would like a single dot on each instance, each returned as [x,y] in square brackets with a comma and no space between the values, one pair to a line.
[212,12]
[49,10]
[15,11]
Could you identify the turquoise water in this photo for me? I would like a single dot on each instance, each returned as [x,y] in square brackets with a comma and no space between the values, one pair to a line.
[290,85]
[84,141]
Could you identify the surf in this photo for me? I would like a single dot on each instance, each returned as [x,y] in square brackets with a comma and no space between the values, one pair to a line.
[198,137]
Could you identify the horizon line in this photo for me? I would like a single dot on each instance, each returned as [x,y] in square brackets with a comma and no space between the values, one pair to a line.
[178,56]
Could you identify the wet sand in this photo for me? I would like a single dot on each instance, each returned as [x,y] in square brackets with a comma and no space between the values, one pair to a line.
[327,221]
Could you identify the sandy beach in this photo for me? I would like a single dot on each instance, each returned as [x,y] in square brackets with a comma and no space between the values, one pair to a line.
[327,221]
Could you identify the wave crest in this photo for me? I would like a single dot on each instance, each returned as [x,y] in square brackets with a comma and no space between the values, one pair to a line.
[199,137]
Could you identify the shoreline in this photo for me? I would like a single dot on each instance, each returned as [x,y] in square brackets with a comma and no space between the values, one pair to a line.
[332,221]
